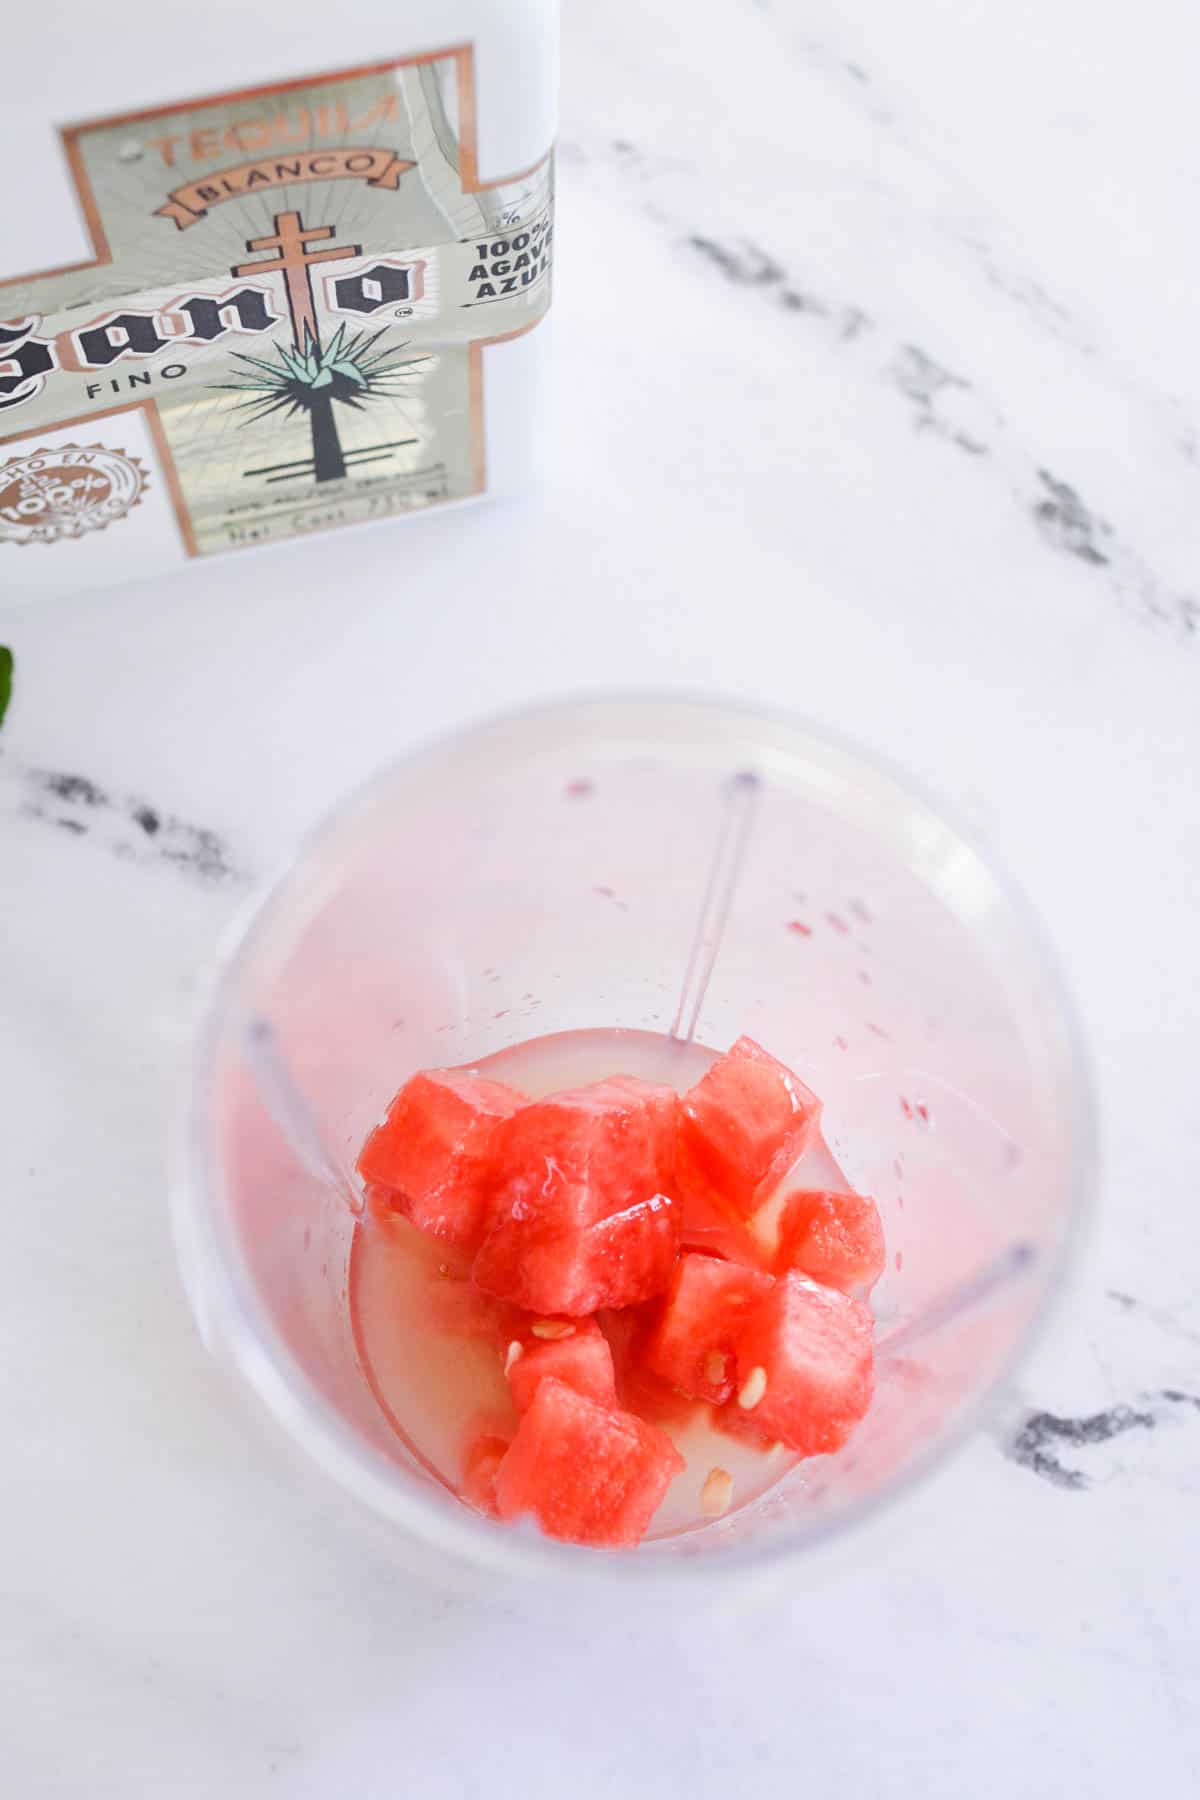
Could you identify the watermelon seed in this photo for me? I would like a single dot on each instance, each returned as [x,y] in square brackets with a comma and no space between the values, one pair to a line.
[714,1368]
[513,1354]
[716,1493]
[552,1329]
[752,1389]
[444,1271]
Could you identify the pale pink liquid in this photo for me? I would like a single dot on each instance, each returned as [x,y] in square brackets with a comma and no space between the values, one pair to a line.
[412,1304]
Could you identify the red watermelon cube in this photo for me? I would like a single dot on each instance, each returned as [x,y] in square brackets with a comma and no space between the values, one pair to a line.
[617,1261]
[588,1473]
[695,1344]
[742,1127]
[582,1215]
[435,1152]
[580,1156]
[639,1390]
[836,1239]
[573,1351]
[805,1365]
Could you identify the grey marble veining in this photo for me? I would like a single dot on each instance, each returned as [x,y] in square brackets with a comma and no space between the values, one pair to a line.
[126,825]
[964,411]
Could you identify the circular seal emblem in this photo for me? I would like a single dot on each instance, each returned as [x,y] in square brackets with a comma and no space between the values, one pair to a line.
[54,494]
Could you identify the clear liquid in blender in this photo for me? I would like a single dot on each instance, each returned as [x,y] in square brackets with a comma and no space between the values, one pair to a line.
[413,1307]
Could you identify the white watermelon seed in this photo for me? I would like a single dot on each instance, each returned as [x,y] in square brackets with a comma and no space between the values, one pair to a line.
[752,1389]
[513,1354]
[552,1329]
[716,1493]
[714,1368]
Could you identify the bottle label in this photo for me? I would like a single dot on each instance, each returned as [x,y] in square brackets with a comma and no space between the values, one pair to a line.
[284,323]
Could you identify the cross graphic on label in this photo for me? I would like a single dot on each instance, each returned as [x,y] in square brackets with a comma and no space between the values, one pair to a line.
[314,381]
[294,259]
[312,376]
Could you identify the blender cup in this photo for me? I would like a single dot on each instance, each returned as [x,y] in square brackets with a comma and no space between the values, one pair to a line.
[656,865]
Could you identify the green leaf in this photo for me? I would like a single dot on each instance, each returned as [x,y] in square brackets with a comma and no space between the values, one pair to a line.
[271,368]
[323,379]
[350,370]
[6,679]
[294,363]
[335,348]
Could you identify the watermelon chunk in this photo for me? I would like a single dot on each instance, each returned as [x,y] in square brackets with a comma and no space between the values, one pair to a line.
[805,1365]
[578,1355]
[695,1344]
[582,1155]
[741,1128]
[435,1152]
[836,1239]
[618,1261]
[713,1231]
[629,1330]
[581,1213]
[587,1473]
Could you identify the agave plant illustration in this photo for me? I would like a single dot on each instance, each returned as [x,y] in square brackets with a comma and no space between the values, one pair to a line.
[348,370]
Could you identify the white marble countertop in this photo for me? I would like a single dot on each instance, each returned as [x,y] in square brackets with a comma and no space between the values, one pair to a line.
[879,399]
